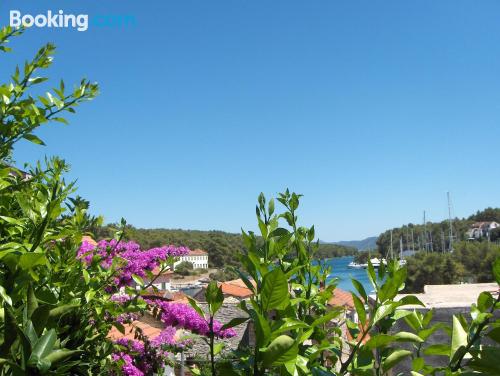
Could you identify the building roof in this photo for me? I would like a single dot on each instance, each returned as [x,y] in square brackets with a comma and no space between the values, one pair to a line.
[483,224]
[236,288]
[148,330]
[453,296]
[341,298]
[197,252]
[88,239]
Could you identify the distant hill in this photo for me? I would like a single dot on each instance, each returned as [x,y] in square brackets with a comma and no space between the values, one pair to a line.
[223,248]
[361,245]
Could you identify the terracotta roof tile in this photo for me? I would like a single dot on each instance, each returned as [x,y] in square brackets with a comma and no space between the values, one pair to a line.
[88,239]
[342,298]
[197,252]
[236,288]
[147,330]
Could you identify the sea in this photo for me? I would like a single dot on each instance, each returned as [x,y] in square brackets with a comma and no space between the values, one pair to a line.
[340,270]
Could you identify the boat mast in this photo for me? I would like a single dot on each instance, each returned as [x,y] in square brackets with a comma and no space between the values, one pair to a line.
[443,242]
[391,251]
[426,243]
[450,220]
[401,247]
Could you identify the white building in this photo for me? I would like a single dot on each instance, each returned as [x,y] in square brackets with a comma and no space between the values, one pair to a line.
[481,229]
[197,257]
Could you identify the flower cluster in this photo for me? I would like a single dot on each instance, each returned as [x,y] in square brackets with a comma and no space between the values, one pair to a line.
[141,358]
[135,261]
[127,317]
[168,339]
[183,316]
[128,368]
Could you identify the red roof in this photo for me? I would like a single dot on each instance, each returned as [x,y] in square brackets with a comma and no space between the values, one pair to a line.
[147,330]
[197,252]
[342,298]
[236,288]
[88,239]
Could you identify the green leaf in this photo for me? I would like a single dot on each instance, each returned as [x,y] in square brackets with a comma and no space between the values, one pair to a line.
[3,294]
[379,341]
[359,287]
[360,308]
[393,359]
[61,120]
[61,355]
[234,322]
[244,278]
[281,350]
[371,275]
[382,311]
[34,139]
[196,307]
[31,301]
[458,337]
[485,301]
[43,347]
[214,297]
[494,334]
[270,207]
[86,276]
[439,349]
[40,317]
[417,364]
[274,292]
[32,259]
[327,317]
[408,337]
[89,295]
[496,270]
[218,347]
[410,300]
[262,328]
[58,312]
[138,280]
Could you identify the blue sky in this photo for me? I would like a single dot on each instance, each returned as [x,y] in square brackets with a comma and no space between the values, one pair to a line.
[371,109]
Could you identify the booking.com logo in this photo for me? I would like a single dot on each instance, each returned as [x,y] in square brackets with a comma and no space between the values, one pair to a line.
[80,22]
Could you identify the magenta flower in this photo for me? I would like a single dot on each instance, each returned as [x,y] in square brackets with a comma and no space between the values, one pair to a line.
[180,315]
[135,261]
[128,369]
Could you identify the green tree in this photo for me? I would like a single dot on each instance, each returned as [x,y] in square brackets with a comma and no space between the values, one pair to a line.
[184,268]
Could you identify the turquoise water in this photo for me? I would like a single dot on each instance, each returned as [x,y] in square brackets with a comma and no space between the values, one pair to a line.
[344,273]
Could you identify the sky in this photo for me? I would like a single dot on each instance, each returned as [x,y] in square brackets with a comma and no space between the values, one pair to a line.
[372,110]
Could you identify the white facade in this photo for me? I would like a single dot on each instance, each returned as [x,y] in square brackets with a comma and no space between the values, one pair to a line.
[481,229]
[199,259]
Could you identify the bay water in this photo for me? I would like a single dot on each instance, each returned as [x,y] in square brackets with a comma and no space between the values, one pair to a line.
[339,269]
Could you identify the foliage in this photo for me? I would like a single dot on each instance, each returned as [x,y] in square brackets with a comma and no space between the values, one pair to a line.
[224,249]
[297,333]
[470,262]
[330,250]
[486,215]
[184,268]
[434,236]
[46,304]
[222,275]
[363,257]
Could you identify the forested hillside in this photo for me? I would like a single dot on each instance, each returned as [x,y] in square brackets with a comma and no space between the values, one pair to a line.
[223,248]
[434,236]
[470,262]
